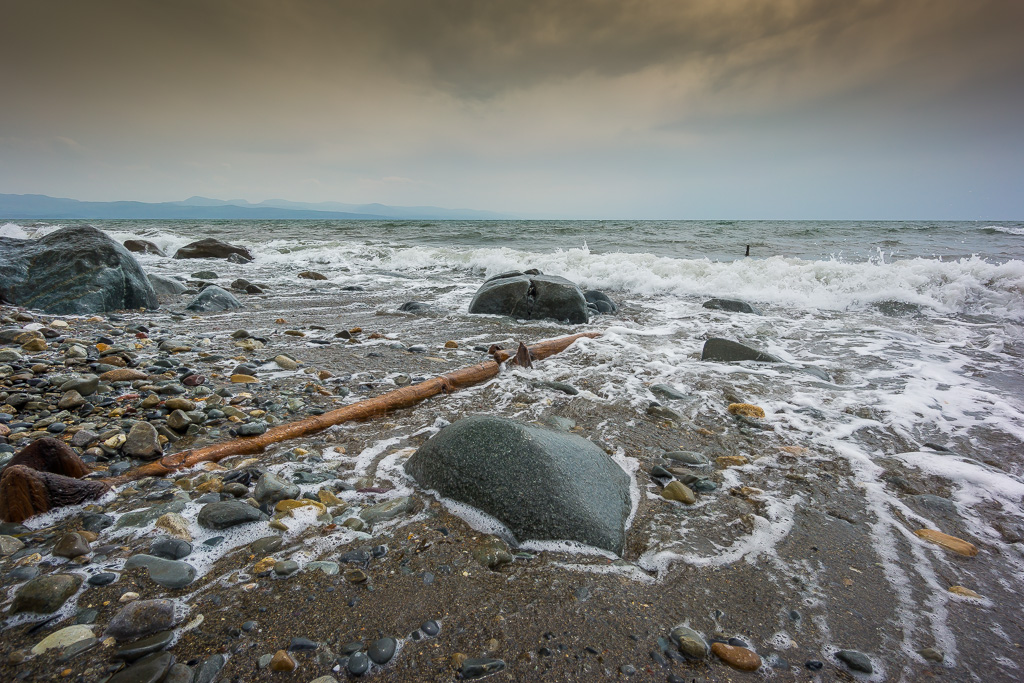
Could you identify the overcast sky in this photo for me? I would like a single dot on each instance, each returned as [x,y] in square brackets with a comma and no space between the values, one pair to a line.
[598,109]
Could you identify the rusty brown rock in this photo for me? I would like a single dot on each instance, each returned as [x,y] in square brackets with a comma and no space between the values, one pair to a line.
[123,375]
[737,657]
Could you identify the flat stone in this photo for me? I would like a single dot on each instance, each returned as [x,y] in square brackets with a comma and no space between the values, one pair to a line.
[666,392]
[63,638]
[326,566]
[676,490]
[688,458]
[167,573]
[478,668]
[387,510]
[141,618]
[150,669]
[141,648]
[45,594]
[175,525]
[286,567]
[689,642]
[170,548]
[731,305]
[210,669]
[857,661]
[739,658]
[137,518]
[123,375]
[102,579]
[228,513]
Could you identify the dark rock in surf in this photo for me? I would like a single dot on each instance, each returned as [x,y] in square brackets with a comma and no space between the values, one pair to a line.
[143,247]
[543,484]
[212,299]
[211,248]
[165,286]
[600,302]
[531,297]
[726,351]
[415,307]
[74,270]
[731,305]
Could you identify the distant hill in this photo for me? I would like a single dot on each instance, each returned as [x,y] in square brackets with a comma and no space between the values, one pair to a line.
[39,206]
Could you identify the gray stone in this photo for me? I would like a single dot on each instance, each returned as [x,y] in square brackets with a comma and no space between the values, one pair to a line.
[9,545]
[541,483]
[85,385]
[326,566]
[600,301]
[145,646]
[387,510]
[170,548]
[45,594]
[286,567]
[666,392]
[265,546]
[178,420]
[688,458]
[358,663]
[142,442]
[382,650]
[141,618]
[531,297]
[71,400]
[83,438]
[150,669]
[214,299]
[726,351]
[857,661]
[145,516]
[165,286]
[209,669]
[252,429]
[167,573]
[228,513]
[74,270]
[689,642]
[271,488]
[179,673]
[731,305]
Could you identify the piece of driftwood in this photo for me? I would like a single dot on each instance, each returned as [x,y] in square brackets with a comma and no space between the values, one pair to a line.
[363,410]
[42,476]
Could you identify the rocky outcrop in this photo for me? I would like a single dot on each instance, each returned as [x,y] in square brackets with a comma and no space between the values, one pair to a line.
[543,484]
[531,297]
[211,248]
[143,247]
[599,302]
[75,270]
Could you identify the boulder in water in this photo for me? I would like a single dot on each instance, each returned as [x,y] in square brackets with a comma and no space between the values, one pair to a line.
[143,247]
[599,301]
[75,270]
[531,297]
[213,299]
[727,351]
[731,305]
[211,248]
[543,484]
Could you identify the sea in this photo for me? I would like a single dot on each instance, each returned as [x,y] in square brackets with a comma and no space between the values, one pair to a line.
[902,346]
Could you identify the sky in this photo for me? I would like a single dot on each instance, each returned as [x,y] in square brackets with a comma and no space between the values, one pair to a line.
[670,109]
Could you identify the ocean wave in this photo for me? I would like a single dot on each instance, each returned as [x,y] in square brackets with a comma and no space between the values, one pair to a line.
[992,229]
[24,232]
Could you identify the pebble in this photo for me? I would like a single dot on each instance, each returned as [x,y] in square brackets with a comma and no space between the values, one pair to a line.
[228,513]
[282,661]
[932,655]
[45,594]
[957,545]
[9,545]
[965,592]
[477,668]
[430,628]
[102,579]
[301,645]
[175,525]
[857,661]
[676,490]
[252,429]
[358,663]
[271,488]
[141,618]
[286,567]
[150,669]
[689,642]
[141,648]
[179,673]
[382,650]
[167,573]
[170,548]
[63,638]
[737,657]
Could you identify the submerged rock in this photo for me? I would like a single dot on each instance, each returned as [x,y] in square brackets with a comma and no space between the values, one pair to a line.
[45,594]
[600,301]
[731,305]
[211,248]
[73,270]
[541,483]
[726,351]
[531,297]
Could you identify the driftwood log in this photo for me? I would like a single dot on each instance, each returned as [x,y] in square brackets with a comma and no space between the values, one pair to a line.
[363,410]
[45,474]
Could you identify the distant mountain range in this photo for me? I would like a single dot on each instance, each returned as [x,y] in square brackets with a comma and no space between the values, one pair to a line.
[40,206]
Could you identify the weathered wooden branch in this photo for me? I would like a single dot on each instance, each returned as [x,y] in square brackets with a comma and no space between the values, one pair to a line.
[372,407]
